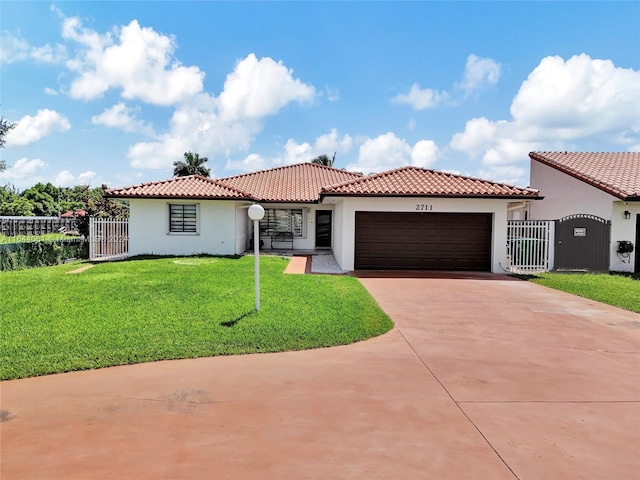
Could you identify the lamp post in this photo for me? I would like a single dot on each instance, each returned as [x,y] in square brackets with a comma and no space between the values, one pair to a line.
[256,213]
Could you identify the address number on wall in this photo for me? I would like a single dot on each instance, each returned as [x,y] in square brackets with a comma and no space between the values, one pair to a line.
[425,207]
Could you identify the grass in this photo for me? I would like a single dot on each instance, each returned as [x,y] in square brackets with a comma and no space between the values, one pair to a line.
[618,290]
[153,309]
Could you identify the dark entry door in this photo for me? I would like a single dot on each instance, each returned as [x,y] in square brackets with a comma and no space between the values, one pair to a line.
[582,243]
[323,228]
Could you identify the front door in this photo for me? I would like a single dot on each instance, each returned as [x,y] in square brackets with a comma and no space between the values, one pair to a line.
[323,228]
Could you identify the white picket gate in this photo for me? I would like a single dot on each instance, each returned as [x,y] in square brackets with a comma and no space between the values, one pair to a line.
[530,245]
[108,238]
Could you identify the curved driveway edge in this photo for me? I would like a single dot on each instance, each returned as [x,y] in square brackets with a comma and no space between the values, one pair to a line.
[483,377]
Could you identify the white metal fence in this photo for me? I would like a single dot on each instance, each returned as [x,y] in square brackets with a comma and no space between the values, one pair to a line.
[530,245]
[108,238]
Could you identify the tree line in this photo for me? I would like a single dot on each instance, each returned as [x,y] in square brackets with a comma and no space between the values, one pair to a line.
[47,200]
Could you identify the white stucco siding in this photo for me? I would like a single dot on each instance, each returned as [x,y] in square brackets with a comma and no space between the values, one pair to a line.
[565,195]
[338,231]
[149,228]
[623,229]
[344,221]
[243,228]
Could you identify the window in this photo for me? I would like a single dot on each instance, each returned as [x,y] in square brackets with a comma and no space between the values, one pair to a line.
[183,218]
[282,220]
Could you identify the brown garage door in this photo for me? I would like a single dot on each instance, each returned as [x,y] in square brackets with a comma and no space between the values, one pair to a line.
[423,241]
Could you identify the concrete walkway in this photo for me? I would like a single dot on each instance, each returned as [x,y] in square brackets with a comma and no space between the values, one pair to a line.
[483,377]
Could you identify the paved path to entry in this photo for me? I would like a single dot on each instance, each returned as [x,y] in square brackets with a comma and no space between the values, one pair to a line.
[483,377]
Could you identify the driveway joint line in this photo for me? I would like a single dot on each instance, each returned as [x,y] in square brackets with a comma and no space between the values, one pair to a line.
[458,406]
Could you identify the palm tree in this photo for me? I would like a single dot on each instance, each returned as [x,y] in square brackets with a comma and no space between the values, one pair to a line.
[324,160]
[193,165]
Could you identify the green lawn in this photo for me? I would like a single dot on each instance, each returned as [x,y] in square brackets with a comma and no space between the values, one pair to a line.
[618,290]
[151,309]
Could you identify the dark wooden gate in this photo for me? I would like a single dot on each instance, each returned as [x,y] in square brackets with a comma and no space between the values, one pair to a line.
[582,243]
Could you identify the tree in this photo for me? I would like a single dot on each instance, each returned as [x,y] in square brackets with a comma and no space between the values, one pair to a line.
[324,160]
[193,165]
[5,127]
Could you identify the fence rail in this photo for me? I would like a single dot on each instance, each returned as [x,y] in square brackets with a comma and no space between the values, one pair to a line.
[108,239]
[530,245]
[34,226]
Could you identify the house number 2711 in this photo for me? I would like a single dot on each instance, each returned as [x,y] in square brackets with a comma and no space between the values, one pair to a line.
[424,207]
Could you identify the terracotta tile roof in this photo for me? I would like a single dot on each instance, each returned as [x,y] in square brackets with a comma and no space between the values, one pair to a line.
[617,173]
[417,181]
[193,186]
[293,183]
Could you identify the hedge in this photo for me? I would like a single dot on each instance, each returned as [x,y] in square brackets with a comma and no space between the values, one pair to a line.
[16,256]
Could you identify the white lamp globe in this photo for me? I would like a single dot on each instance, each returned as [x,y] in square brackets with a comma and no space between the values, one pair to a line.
[256,212]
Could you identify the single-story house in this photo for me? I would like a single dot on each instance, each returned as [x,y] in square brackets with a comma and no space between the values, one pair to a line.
[588,189]
[406,218]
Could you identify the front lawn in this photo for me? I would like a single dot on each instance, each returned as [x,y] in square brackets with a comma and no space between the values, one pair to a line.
[152,309]
[617,290]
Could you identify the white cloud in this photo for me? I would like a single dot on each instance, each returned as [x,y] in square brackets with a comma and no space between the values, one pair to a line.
[387,151]
[67,179]
[51,91]
[24,173]
[333,94]
[477,136]
[258,88]
[64,179]
[424,154]
[137,60]
[31,129]
[160,154]
[251,163]
[294,152]
[478,73]
[578,98]
[421,99]
[122,117]
[510,174]
[226,124]
[560,103]
[16,49]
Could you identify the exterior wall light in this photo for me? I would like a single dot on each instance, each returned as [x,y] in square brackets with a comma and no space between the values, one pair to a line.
[627,214]
[256,213]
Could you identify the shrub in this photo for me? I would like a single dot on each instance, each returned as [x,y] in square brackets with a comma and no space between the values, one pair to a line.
[38,254]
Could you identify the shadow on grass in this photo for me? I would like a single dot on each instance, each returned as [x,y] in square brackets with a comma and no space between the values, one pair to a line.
[231,323]
[522,276]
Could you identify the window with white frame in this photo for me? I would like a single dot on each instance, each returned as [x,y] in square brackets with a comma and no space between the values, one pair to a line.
[282,220]
[183,218]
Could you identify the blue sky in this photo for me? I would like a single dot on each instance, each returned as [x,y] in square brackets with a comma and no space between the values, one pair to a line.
[114,92]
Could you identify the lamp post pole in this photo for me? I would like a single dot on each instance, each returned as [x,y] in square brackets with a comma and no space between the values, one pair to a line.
[256,213]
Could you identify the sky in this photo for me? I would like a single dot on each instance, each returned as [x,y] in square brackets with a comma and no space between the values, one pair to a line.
[113,92]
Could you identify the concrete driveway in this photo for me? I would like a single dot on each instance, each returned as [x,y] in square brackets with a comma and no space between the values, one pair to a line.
[484,377]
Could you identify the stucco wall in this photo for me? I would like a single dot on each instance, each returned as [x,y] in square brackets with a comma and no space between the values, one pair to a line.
[149,229]
[344,224]
[622,229]
[565,195]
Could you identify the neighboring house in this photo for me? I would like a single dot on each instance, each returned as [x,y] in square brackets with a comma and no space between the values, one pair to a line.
[407,218]
[602,185]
